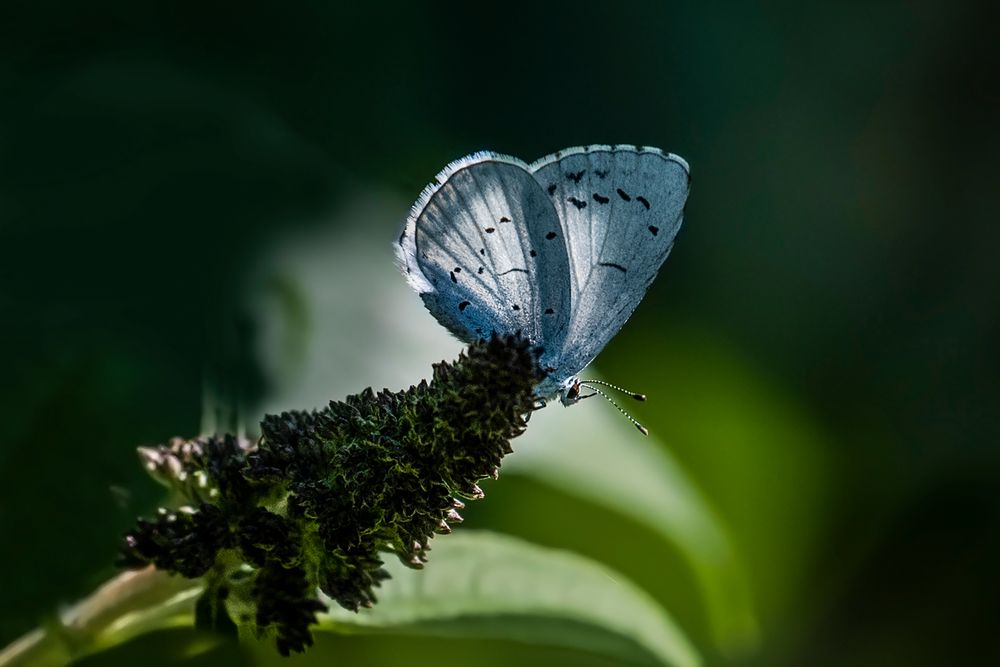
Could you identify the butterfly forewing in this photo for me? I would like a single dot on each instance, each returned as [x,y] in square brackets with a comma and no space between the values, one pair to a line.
[620,209]
[489,253]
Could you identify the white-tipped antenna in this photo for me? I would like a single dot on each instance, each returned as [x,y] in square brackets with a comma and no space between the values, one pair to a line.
[642,429]
[636,396]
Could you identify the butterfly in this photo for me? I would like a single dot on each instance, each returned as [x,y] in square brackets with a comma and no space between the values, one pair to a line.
[561,250]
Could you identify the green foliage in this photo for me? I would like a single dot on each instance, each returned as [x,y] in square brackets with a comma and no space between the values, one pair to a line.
[479,588]
[317,500]
[501,586]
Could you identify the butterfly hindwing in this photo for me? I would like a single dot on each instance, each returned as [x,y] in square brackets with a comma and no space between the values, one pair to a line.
[484,248]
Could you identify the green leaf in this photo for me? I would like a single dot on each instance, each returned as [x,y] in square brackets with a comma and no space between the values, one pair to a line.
[589,457]
[485,585]
[477,585]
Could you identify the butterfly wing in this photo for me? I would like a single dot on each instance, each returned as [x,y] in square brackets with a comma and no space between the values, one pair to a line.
[620,208]
[484,248]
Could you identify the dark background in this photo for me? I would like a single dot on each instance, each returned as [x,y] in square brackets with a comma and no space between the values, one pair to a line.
[842,235]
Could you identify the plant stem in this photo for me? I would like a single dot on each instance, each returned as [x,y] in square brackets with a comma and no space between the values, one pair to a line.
[126,606]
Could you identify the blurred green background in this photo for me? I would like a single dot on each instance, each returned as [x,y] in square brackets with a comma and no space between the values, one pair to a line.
[821,348]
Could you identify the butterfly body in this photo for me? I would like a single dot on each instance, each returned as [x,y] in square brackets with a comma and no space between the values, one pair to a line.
[561,250]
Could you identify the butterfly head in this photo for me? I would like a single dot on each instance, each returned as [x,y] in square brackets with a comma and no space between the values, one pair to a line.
[570,391]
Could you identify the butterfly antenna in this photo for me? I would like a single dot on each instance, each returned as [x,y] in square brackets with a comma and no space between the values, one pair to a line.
[638,397]
[642,429]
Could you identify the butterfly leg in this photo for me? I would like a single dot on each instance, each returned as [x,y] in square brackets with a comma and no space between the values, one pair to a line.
[539,404]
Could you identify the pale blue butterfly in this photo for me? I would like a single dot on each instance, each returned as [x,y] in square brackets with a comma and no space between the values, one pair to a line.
[561,250]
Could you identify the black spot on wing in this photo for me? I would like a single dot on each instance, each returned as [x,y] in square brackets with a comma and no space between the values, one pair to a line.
[654,229]
[643,201]
[624,195]
[549,311]
[453,278]
[612,265]
[506,219]
[575,177]
[577,202]
[480,271]
[490,230]
[516,307]
[600,199]
[601,174]
[462,306]
[551,189]
[533,253]
[458,269]
[482,251]
[550,235]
